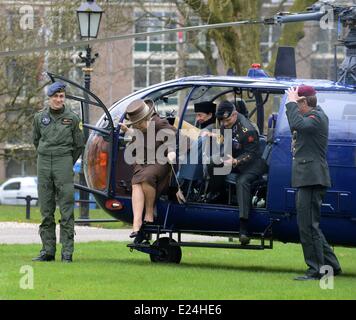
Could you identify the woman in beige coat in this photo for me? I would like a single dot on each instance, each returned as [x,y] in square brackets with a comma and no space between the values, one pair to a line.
[151,168]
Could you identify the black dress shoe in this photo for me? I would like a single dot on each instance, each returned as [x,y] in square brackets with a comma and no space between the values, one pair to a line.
[67,258]
[244,239]
[337,272]
[307,277]
[44,257]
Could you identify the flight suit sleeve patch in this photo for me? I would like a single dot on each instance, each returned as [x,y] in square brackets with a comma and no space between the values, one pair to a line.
[67,121]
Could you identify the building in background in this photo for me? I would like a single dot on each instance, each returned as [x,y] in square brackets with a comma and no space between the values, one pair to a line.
[132,64]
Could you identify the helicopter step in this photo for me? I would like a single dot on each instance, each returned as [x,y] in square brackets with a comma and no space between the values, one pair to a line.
[167,249]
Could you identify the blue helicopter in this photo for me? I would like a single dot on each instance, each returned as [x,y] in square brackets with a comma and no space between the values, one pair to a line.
[273,216]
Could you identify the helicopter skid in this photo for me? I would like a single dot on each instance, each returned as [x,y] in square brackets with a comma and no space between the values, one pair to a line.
[167,249]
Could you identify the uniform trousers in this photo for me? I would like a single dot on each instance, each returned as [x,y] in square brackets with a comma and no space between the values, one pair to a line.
[317,252]
[55,182]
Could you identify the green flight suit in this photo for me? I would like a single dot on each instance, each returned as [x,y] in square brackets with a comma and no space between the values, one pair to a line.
[310,174]
[59,142]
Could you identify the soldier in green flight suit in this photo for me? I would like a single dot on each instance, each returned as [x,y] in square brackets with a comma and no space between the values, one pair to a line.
[59,141]
[310,174]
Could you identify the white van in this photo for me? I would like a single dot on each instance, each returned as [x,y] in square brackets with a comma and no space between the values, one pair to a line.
[18,187]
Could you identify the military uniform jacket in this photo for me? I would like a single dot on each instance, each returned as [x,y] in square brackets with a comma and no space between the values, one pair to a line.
[309,146]
[245,142]
[58,134]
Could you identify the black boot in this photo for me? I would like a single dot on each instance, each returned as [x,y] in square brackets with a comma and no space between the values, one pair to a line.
[244,238]
[67,258]
[44,257]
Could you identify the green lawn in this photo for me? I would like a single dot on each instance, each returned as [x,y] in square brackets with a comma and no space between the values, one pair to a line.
[110,271]
[18,214]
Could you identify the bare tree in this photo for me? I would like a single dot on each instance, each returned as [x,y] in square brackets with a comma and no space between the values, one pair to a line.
[233,44]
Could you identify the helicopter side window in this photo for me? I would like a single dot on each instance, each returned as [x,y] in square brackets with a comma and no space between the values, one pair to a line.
[340,107]
[349,112]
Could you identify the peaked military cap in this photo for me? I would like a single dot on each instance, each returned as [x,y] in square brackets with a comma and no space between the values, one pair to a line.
[225,109]
[55,87]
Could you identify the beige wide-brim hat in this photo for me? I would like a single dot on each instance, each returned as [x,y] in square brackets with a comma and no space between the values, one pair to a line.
[139,110]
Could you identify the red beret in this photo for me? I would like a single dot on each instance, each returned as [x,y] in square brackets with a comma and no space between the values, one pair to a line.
[306,91]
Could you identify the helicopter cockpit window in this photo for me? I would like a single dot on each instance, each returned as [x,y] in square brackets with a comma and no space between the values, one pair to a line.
[235,94]
[200,94]
[340,107]
[170,102]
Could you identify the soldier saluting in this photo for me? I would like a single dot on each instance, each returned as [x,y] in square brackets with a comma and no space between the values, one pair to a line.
[310,174]
[59,141]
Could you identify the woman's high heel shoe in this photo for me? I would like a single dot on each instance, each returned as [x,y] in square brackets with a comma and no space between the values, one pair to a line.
[134,234]
[138,235]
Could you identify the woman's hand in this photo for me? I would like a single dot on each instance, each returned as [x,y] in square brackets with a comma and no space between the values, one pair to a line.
[171,157]
[124,128]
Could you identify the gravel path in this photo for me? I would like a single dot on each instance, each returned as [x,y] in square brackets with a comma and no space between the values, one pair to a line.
[23,233]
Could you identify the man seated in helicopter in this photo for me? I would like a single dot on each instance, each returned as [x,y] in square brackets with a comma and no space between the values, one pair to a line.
[149,177]
[240,149]
[193,171]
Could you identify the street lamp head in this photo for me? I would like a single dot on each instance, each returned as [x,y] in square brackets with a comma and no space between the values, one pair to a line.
[89,17]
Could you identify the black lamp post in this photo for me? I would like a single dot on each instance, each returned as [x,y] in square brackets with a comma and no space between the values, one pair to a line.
[89,18]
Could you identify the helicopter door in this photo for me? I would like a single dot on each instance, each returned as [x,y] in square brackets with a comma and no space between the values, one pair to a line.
[99,144]
[168,104]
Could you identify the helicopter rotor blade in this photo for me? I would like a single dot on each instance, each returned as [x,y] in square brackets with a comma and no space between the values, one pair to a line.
[125,36]
[315,13]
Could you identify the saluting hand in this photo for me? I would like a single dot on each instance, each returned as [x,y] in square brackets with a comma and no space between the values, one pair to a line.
[293,94]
